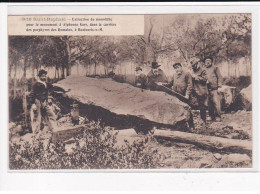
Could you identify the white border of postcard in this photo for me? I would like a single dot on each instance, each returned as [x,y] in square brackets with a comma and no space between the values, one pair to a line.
[141,178]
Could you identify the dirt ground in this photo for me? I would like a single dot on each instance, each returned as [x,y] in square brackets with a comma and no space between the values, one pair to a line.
[235,125]
[180,155]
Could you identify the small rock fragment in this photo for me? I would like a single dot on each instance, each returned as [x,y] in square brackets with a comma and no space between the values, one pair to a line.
[217,156]
[238,158]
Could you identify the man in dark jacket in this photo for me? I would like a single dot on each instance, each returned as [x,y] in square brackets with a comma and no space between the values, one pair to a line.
[156,75]
[182,83]
[200,88]
[40,108]
[214,82]
[140,78]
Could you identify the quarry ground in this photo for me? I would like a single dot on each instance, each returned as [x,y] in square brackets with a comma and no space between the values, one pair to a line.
[236,125]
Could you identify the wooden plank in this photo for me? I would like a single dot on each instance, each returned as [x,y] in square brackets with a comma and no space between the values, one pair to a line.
[65,133]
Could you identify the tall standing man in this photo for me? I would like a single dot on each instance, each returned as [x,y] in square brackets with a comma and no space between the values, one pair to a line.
[181,81]
[214,83]
[40,109]
[200,88]
[182,84]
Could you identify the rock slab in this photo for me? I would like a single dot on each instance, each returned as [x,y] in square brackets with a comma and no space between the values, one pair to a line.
[124,103]
[246,98]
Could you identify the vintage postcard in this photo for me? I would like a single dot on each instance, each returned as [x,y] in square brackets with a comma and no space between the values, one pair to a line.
[139,91]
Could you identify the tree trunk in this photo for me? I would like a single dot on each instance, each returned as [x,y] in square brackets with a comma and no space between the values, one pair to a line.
[25,67]
[228,69]
[58,72]
[235,70]
[209,142]
[105,70]
[68,57]
[95,68]
[63,72]
[77,68]
[55,73]
[238,70]
[15,80]
[25,93]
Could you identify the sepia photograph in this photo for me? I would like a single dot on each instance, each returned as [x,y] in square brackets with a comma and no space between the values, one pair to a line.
[177,96]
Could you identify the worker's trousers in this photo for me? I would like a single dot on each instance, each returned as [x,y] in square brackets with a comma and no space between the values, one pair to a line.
[214,104]
[42,114]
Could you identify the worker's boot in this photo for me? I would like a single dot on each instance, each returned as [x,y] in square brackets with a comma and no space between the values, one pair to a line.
[204,126]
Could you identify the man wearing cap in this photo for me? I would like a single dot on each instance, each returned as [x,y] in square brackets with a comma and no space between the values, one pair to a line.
[140,78]
[182,83]
[54,108]
[156,75]
[38,97]
[214,82]
[199,81]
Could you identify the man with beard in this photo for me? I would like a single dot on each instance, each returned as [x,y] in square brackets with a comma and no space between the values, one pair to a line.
[199,81]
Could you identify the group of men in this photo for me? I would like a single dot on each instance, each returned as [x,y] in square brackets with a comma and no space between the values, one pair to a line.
[203,82]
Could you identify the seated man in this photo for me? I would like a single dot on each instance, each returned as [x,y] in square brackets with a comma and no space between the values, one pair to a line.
[54,109]
[40,111]
[154,76]
[140,78]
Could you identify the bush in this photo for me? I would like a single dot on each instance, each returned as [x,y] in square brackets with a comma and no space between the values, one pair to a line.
[95,148]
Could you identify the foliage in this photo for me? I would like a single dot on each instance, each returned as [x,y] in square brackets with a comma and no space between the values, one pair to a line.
[95,149]
[224,38]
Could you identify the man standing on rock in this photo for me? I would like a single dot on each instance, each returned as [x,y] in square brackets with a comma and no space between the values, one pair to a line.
[40,108]
[199,81]
[140,78]
[214,83]
[156,75]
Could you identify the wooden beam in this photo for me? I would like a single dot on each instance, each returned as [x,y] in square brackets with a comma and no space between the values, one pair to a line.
[208,142]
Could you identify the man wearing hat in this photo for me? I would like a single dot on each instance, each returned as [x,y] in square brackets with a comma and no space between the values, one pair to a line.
[40,109]
[154,76]
[199,81]
[214,82]
[140,78]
